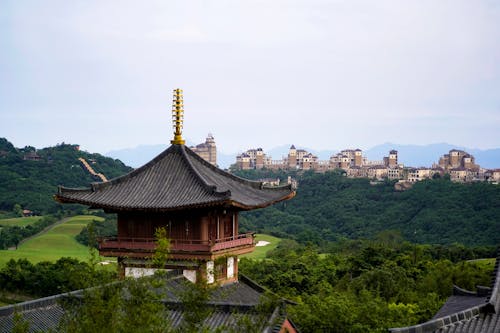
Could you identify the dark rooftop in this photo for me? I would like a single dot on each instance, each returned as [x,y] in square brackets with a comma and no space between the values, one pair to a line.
[229,304]
[176,179]
[465,311]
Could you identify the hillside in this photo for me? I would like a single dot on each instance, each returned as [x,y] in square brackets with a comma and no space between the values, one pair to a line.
[331,207]
[29,177]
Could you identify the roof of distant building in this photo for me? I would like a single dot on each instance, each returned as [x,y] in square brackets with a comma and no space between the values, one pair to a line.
[201,145]
[378,167]
[458,151]
[459,169]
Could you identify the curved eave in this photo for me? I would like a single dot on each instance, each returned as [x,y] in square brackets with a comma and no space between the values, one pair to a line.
[263,205]
[96,205]
[225,202]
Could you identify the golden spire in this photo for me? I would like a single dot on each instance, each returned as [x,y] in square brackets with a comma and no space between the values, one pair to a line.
[177,117]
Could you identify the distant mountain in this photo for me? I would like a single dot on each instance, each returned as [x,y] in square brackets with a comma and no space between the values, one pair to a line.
[414,155]
[224,161]
[489,158]
[409,155]
[140,155]
[137,156]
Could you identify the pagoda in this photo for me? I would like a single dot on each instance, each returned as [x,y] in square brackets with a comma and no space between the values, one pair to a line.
[194,201]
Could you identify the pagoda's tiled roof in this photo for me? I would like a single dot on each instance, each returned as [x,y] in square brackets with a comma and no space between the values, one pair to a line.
[176,179]
[242,294]
[465,312]
[229,304]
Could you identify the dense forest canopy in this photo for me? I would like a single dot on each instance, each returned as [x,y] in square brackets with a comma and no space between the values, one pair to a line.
[330,207]
[365,286]
[31,183]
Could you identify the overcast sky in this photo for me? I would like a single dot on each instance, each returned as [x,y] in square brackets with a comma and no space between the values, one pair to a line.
[320,74]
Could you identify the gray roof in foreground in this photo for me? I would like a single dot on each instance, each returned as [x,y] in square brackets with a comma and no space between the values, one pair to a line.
[466,311]
[176,179]
[229,304]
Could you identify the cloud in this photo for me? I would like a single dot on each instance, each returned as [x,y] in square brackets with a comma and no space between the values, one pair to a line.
[324,74]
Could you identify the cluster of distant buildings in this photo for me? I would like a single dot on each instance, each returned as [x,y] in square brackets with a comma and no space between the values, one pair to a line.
[459,164]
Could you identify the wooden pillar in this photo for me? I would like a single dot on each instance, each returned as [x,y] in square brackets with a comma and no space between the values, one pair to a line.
[235,268]
[204,228]
[121,268]
[234,226]
[121,225]
[218,227]
[236,230]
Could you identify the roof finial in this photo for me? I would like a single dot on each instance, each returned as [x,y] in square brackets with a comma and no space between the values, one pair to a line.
[177,117]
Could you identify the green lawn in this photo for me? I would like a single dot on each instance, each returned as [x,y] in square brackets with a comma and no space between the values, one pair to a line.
[260,251]
[56,243]
[19,221]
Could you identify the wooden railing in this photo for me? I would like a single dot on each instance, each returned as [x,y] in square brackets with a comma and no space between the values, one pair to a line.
[187,245]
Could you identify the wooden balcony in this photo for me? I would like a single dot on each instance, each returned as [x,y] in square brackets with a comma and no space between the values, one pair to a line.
[179,248]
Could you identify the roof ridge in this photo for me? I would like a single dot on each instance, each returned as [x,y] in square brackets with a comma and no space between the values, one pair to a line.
[100,185]
[253,183]
[214,168]
[437,323]
[210,188]
[493,298]
[463,292]
[261,289]
[36,303]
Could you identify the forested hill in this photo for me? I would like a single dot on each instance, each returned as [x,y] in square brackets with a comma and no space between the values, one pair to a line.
[330,206]
[29,177]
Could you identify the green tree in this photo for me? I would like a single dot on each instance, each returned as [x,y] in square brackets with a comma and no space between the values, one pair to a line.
[20,325]
[18,210]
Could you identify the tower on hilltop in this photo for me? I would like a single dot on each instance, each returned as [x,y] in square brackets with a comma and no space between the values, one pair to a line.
[393,158]
[207,150]
[292,157]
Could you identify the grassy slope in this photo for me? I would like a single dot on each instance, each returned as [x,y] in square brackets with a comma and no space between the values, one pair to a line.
[19,221]
[260,251]
[56,243]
